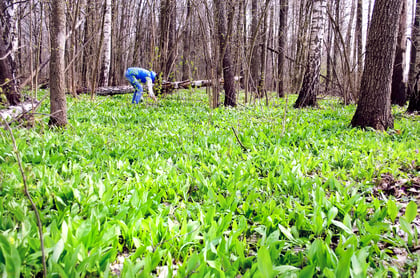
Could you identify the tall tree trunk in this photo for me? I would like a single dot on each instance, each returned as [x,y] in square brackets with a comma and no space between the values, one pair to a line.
[186,73]
[244,73]
[87,43]
[139,34]
[374,106]
[106,46]
[284,5]
[359,40]
[261,90]
[310,86]
[168,38]
[254,67]
[8,47]
[58,104]
[225,53]
[413,87]
[329,48]
[398,90]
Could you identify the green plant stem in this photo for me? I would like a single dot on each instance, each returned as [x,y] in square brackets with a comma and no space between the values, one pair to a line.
[25,184]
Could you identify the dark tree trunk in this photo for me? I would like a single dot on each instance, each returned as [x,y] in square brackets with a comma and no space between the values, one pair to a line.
[374,106]
[58,104]
[261,89]
[168,38]
[398,90]
[225,52]
[282,45]
[187,41]
[254,67]
[310,86]
[414,76]
[359,38]
[8,82]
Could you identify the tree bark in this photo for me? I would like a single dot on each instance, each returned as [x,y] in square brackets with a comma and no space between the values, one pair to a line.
[254,67]
[8,45]
[374,106]
[261,90]
[398,90]
[106,53]
[225,52]
[310,86]
[284,5]
[186,73]
[168,38]
[359,40]
[414,76]
[58,104]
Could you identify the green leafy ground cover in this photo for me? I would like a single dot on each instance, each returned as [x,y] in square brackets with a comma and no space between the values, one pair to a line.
[143,190]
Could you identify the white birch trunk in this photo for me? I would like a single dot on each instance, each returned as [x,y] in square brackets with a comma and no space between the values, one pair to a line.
[310,86]
[106,53]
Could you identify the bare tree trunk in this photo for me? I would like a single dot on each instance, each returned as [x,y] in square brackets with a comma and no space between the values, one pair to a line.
[8,47]
[374,106]
[310,86]
[284,5]
[186,73]
[106,46]
[261,90]
[254,67]
[329,49]
[58,104]
[244,73]
[225,53]
[359,41]
[398,86]
[168,38]
[413,87]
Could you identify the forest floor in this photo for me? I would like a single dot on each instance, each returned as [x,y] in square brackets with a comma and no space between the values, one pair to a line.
[176,188]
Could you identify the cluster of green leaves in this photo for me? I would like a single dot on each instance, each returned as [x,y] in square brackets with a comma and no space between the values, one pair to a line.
[170,187]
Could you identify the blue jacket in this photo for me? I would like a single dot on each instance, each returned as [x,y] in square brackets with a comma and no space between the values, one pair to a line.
[141,74]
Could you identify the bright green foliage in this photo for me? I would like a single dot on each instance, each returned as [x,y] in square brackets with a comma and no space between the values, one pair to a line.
[171,189]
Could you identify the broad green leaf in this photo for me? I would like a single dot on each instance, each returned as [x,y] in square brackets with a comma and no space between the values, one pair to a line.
[392,210]
[307,272]
[343,268]
[342,226]
[405,225]
[358,263]
[332,213]
[64,231]
[193,262]
[265,266]
[58,249]
[11,257]
[417,275]
[283,269]
[411,212]
[286,232]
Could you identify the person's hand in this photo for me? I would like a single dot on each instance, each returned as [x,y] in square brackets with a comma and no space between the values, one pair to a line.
[154,98]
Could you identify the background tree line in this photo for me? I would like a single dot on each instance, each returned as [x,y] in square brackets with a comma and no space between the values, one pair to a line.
[309,47]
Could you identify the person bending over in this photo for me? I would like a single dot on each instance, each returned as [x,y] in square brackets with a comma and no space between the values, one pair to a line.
[138,76]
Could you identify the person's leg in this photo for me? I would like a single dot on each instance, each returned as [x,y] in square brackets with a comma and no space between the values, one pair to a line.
[138,94]
[138,89]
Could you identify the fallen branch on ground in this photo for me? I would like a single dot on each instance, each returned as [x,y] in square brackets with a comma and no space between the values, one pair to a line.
[165,88]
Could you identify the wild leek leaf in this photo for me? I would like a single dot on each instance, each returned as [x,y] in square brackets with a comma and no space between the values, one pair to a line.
[265,265]
[11,258]
[411,212]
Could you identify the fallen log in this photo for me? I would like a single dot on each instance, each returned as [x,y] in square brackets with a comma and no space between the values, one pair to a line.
[160,89]
[15,111]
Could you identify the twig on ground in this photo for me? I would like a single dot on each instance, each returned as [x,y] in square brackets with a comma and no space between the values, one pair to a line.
[245,149]
[25,184]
